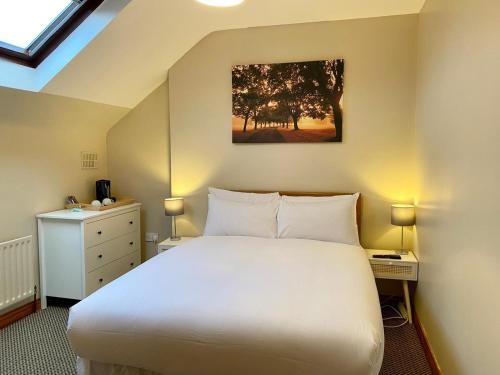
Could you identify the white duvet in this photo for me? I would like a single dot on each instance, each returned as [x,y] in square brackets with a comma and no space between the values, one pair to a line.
[237,306]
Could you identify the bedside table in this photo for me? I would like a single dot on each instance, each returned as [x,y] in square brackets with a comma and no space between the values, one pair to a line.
[404,269]
[168,244]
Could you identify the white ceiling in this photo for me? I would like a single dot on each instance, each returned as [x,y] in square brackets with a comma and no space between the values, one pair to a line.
[132,55]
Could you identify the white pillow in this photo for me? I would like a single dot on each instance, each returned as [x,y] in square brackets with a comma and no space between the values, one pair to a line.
[312,199]
[320,219]
[228,218]
[237,196]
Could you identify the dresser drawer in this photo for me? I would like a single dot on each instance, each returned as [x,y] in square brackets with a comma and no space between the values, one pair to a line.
[100,255]
[106,229]
[107,273]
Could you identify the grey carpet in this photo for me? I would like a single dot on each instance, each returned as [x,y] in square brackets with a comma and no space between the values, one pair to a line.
[37,344]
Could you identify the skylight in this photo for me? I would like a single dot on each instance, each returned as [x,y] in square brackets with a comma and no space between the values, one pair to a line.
[21,21]
[31,29]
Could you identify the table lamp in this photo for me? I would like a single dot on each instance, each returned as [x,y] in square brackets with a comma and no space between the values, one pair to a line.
[174,207]
[403,215]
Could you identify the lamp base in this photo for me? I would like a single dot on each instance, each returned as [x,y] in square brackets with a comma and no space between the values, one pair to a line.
[173,235]
[401,252]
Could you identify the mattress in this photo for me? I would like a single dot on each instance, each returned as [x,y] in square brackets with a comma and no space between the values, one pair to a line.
[236,305]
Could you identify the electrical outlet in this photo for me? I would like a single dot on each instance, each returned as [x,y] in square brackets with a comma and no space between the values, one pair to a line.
[151,237]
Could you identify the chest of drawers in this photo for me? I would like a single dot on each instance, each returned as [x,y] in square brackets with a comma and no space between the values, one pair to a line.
[79,252]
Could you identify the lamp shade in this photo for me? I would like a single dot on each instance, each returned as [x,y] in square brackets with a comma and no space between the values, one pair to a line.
[403,215]
[174,206]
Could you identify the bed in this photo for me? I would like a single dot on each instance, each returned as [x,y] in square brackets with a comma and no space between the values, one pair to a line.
[225,305]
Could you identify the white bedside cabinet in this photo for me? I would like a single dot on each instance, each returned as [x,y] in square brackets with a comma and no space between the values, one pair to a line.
[168,243]
[404,269]
[80,252]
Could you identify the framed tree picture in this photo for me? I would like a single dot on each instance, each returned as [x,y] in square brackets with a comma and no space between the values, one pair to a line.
[289,102]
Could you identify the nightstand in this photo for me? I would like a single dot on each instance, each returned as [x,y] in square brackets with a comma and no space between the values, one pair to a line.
[404,269]
[168,244]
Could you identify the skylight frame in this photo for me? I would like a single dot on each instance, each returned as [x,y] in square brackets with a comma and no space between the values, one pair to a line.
[53,35]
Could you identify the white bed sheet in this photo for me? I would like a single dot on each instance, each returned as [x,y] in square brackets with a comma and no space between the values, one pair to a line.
[236,305]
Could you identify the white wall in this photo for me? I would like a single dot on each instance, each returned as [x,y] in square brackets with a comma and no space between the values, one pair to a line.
[376,156]
[458,138]
[41,137]
[139,161]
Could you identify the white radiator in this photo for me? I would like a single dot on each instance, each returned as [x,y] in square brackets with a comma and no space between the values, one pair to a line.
[17,271]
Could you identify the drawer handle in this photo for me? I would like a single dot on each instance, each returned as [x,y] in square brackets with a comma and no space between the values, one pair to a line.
[101,280]
[131,222]
[99,232]
[99,256]
[132,264]
[131,243]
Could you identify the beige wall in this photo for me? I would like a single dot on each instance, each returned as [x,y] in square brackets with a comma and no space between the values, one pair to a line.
[458,138]
[376,157]
[138,159]
[41,137]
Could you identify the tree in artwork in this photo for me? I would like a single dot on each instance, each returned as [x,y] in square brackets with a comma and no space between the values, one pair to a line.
[307,95]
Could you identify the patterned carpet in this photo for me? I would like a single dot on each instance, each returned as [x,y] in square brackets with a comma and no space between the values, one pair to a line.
[37,344]
[403,353]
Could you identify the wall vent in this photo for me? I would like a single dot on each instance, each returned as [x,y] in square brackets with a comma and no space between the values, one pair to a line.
[89,160]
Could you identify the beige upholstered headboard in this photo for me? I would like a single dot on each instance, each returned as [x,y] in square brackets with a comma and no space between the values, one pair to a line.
[315,194]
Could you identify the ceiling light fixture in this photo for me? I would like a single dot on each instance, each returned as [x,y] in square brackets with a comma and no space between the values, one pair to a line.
[221,3]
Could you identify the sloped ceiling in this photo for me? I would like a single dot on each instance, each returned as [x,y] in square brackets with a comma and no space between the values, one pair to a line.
[132,55]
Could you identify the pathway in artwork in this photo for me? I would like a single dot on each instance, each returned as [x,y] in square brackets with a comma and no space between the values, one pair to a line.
[266,135]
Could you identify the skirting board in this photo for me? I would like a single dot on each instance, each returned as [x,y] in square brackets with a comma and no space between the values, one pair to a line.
[422,335]
[19,313]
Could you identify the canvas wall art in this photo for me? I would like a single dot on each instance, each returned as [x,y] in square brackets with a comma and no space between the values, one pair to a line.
[289,102]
